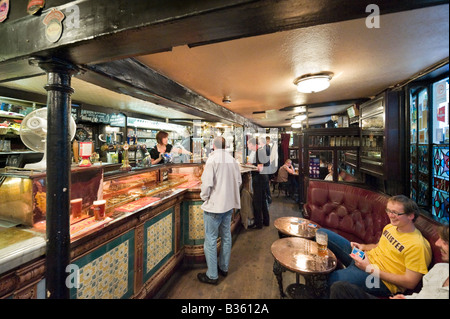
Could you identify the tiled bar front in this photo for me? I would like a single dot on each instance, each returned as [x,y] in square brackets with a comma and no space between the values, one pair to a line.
[130,258]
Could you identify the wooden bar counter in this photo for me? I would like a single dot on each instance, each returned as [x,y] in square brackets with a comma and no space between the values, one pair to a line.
[154,223]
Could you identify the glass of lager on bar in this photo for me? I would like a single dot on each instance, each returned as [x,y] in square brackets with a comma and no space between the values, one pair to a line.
[322,243]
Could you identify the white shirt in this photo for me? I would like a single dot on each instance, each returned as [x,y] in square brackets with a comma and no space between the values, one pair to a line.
[221,180]
[432,284]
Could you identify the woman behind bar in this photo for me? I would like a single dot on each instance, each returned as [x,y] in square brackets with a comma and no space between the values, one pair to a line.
[162,147]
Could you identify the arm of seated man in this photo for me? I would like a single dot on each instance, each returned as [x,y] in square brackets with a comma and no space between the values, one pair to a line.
[408,280]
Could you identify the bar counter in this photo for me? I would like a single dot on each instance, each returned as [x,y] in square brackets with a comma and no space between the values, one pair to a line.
[129,254]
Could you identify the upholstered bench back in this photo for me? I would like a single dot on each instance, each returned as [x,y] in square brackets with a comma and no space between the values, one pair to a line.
[358,214]
[355,213]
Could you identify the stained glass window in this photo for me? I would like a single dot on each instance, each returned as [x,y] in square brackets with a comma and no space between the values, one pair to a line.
[419,148]
[440,156]
[440,194]
[429,148]
[413,172]
[413,150]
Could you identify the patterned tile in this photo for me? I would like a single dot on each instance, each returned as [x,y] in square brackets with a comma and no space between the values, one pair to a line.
[107,273]
[158,242]
[196,224]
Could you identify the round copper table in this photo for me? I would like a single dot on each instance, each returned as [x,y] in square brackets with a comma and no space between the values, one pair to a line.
[295,226]
[300,256]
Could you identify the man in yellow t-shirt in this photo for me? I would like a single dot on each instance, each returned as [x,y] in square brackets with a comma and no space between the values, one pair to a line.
[396,263]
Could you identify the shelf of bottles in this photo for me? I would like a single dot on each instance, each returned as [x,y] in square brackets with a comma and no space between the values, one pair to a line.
[332,141]
[147,137]
[372,137]
[323,145]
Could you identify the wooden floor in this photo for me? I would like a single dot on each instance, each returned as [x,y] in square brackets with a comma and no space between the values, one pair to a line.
[250,274]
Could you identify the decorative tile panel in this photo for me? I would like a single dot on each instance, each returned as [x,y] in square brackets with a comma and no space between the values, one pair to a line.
[193,231]
[159,238]
[196,223]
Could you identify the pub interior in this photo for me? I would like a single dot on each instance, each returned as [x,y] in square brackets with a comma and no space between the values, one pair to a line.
[85,86]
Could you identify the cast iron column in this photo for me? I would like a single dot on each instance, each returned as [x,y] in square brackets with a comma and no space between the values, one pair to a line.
[59,89]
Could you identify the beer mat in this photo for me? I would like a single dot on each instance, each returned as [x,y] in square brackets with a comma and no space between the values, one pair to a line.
[87,225]
[189,184]
[137,204]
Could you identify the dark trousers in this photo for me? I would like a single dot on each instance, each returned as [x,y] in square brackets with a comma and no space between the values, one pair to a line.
[346,290]
[260,209]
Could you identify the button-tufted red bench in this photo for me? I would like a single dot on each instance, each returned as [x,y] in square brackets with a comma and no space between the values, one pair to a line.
[358,214]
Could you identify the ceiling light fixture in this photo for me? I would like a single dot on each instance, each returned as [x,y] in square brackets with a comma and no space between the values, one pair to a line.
[311,83]
[226,99]
[296,125]
[300,117]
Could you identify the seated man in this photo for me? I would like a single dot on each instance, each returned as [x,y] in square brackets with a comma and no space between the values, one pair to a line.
[396,263]
[283,176]
[435,282]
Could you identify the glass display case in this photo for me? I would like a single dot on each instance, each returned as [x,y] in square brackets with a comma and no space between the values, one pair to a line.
[23,194]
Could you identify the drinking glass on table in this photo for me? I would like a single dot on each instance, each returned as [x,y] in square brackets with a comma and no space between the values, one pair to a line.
[322,243]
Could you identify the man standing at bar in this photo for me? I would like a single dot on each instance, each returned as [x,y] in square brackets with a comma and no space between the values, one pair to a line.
[260,180]
[221,180]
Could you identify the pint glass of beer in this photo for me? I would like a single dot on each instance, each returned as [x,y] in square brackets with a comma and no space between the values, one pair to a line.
[99,209]
[322,243]
[76,206]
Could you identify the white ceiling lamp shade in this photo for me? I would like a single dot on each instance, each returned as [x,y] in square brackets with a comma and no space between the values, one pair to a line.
[300,117]
[296,125]
[312,83]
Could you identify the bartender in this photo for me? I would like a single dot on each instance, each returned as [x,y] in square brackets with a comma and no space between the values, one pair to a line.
[162,147]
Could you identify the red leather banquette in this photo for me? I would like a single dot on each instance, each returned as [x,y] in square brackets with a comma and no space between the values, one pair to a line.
[358,214]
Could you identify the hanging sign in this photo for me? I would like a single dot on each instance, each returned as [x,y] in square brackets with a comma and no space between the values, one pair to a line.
[54,28]
[4,9]
[94,117]
[117,120]
[34,6]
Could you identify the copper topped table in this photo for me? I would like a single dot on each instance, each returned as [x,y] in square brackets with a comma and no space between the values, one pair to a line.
[300,256]
[295,226]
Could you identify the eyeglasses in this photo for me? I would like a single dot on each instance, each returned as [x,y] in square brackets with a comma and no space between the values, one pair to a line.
[388,211]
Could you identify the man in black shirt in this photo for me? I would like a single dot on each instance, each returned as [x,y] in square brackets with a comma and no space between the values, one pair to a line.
[260,181]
